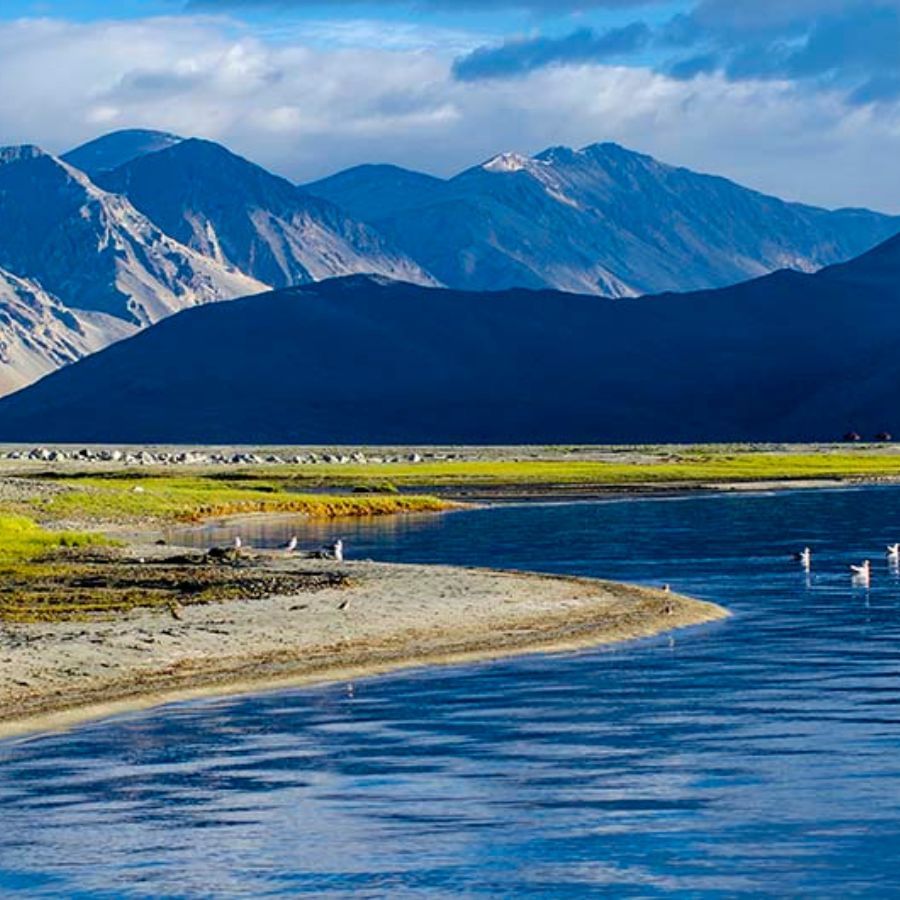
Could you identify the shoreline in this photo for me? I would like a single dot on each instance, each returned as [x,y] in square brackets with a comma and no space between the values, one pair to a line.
[387,617]
[474,496]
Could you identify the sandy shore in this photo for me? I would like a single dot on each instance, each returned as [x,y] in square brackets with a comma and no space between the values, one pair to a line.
[385,617]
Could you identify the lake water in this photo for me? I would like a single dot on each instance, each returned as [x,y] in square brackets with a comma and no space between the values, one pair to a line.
[758,756]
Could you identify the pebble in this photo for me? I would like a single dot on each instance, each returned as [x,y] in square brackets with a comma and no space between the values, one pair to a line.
[144,457]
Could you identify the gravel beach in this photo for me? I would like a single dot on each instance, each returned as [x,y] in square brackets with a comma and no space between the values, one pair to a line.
[363,618]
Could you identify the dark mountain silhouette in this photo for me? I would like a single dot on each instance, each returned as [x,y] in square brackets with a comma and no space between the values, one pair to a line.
[362,360]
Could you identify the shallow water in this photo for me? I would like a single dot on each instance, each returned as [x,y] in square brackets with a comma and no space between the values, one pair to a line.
[758,756]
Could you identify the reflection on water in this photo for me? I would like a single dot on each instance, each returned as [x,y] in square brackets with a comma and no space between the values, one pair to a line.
[276,531]
[759,756]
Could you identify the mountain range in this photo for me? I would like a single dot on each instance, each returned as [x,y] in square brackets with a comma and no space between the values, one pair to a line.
[601,220]
[130,228]
[790,356]
[243,216]
[207,226]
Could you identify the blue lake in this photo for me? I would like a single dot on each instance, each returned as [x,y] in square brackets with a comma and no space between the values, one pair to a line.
[758,756]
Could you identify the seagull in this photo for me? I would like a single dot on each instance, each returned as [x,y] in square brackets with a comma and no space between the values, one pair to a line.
[238,543]
[804,557]
[291,545]
[337,550]
[893,552]
[863,572]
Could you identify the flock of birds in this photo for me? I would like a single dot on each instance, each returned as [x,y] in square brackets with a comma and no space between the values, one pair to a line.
[335,551]
[862,573]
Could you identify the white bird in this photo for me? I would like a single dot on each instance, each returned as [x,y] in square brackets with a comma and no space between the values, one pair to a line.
[862,572]
[337,550]
[291,545]
[893,552]
[804,557]
[238,543]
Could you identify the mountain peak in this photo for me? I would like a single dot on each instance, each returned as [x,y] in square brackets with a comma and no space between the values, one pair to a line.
[20,153]
[118,148]
[510,162]
[609,151]
[559,154]
[231,209]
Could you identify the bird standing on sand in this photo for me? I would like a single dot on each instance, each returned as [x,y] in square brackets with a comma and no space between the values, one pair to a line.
[238,543]
[291,545]
[337,550]
[804,557]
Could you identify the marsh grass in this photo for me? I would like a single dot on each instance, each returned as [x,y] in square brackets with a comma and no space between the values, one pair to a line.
[191,499]
[699,467]
[79,589]
[23,540]
[48,576]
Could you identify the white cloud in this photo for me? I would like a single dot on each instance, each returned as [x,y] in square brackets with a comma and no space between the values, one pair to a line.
[307,111]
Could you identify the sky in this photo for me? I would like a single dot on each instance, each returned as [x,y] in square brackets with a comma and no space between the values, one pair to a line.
[799,98]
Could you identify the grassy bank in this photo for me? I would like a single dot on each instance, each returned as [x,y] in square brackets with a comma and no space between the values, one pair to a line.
[49,576]
[189,499]
[22,540]
[32,567]
[53,576]
[656,469]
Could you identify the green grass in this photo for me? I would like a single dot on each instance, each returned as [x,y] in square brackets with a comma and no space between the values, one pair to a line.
[145,496]
[194,498]
[23,540]
[682,468]
[31,555]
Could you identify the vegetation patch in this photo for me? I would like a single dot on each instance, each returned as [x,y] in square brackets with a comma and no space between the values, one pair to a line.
[22,540]
[87,587]
[191,499]
[684,467]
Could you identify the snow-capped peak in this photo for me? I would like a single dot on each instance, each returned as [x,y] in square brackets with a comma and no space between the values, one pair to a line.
[509,162]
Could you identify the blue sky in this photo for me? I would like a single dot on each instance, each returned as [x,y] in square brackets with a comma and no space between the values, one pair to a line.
[795,97]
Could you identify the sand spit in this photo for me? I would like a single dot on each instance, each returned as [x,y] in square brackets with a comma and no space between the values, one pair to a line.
[379,618]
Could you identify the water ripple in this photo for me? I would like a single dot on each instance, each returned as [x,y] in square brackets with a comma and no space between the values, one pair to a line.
[754,757]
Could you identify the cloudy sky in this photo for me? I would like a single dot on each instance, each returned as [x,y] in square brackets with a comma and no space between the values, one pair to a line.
[795,97]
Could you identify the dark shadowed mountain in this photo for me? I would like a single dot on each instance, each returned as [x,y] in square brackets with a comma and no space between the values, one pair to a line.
[241,215]
[359,360]
[374,192]
[600,220]
[113,150]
